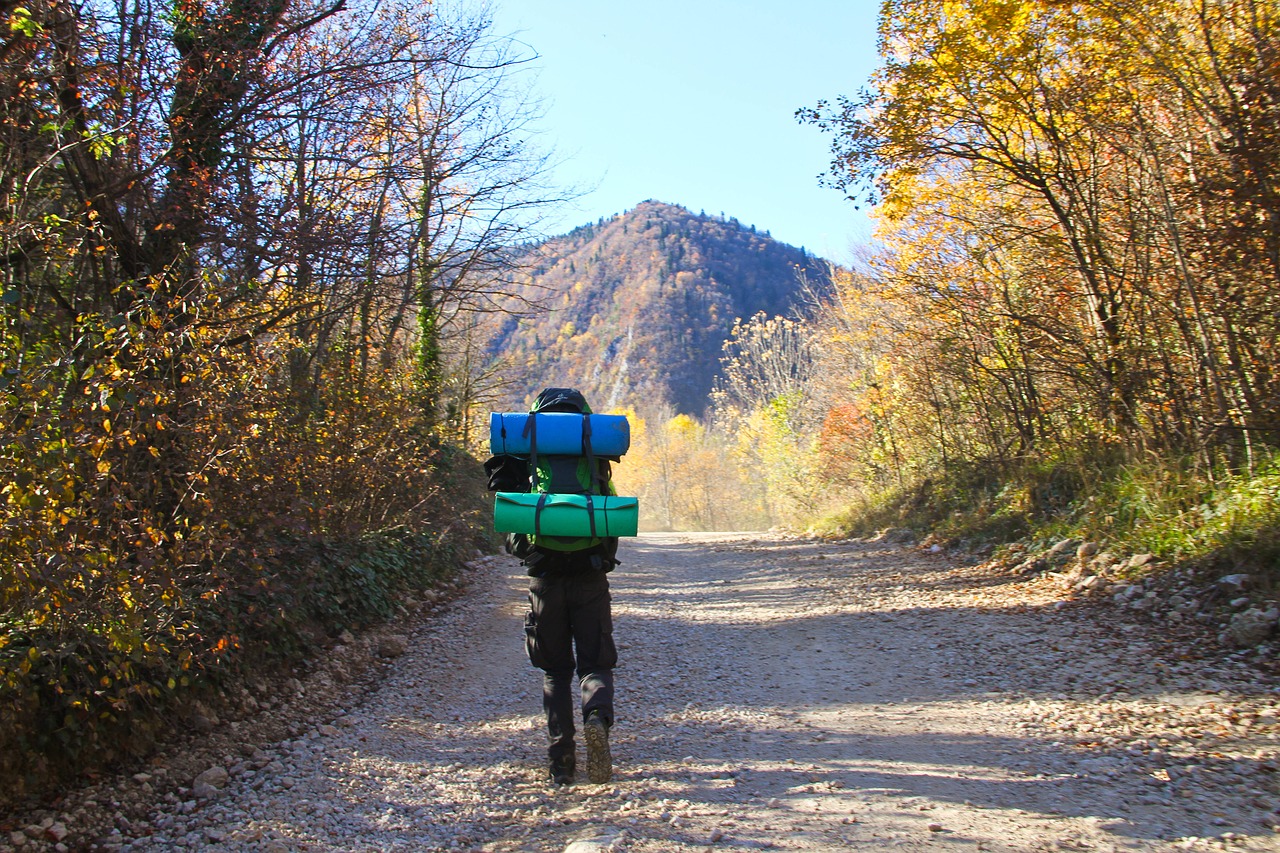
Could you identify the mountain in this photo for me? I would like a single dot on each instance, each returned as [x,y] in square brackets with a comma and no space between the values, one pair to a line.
[635,309]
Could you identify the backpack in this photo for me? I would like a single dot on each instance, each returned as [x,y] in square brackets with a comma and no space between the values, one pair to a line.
[564,474]
[583,473]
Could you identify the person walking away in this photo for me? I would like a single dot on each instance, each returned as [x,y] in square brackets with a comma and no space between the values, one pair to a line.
[569,627]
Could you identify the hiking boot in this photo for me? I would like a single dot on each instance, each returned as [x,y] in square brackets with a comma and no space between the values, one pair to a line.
[599,762]
[562,770]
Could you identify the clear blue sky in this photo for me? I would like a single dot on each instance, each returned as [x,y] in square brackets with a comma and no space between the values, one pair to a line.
[692,102]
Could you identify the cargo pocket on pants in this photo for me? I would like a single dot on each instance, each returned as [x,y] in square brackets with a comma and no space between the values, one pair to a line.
[608,657]
[531,647]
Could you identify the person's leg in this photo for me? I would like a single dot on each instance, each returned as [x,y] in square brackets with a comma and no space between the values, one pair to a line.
[549,642]
[592,622]
[557,702]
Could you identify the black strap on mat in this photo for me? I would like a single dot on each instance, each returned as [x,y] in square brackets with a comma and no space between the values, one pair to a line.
[531,431]
[591,514]
[593,470]
[537,514]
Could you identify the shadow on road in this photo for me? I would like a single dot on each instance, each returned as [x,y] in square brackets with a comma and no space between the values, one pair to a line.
[806,689]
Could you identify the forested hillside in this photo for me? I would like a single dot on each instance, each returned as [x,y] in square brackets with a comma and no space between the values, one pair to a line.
[635,310]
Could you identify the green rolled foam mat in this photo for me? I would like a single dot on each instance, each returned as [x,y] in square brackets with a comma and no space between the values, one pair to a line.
[565,514]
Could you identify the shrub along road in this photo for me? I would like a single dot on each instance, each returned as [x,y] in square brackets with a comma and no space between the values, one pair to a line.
[773,694]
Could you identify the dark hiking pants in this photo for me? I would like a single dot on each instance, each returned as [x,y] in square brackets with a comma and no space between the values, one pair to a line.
[570,629]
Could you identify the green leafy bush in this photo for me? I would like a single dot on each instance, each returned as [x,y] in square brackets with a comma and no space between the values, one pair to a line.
[161,537]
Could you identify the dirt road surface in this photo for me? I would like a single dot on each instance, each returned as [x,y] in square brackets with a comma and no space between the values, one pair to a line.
[777,694]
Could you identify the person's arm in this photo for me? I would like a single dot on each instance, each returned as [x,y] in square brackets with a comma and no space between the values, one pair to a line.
[507,474]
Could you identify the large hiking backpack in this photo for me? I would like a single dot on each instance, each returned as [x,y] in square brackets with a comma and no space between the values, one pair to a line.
[568,503]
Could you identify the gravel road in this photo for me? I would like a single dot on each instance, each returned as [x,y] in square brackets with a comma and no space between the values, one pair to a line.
[776,694]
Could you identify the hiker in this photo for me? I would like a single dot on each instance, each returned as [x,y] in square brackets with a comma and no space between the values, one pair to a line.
[569,627]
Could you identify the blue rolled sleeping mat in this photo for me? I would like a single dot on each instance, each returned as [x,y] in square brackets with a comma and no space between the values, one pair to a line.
[558,433]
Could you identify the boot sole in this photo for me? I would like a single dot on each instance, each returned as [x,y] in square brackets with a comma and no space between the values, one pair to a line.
[599,760]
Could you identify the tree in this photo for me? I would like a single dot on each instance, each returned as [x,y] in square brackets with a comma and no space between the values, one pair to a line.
[471,189]
[1068,172]
[210,235]
[763,397]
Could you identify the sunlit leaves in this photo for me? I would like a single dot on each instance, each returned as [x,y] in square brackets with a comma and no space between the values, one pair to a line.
[687,477]
[1078,252]
[20,21]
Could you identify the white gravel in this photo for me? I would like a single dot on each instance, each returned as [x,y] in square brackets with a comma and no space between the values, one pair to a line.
[772,694]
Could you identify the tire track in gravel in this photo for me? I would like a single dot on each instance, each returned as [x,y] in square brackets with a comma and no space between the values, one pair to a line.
[779,694]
